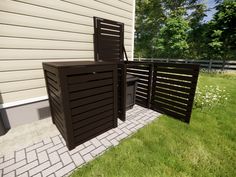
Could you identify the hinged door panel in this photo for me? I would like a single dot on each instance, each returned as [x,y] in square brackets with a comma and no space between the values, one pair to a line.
[173,89]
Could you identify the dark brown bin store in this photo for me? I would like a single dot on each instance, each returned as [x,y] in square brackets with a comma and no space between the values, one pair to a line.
[131,82]
[83,98]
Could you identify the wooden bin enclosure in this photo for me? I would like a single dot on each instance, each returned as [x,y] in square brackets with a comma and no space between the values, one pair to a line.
[83,98]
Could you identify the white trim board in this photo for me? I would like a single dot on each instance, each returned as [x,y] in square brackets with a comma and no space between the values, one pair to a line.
[22,102]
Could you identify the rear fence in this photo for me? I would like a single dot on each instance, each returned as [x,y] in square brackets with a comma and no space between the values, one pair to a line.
[204,64]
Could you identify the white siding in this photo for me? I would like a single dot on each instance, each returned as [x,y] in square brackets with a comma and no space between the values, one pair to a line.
[34,31]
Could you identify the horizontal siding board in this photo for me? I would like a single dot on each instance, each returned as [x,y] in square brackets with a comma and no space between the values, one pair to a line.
[28,21]
[19,43]
[21,75]
[34,33]
[24,54]
[103,7]
[118,4]
[21,85]
[21,95]
[77,9]
[44,34]
[27,65]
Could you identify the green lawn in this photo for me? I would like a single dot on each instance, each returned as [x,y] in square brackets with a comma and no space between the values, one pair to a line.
[167,147]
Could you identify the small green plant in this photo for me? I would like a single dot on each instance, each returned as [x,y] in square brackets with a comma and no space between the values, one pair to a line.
[210,96]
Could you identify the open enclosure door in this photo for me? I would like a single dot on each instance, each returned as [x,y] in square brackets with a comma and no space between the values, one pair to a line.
[108,46]
[173,89]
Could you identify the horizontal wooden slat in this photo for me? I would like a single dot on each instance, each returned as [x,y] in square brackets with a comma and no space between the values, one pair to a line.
[92,112]
[175,82]
[187,66]
[171,103]
[108,32]
[89,85]
[168,112]
[146,73]
[91,106]
[96,131]
[89,77]
[82,94]
[177,77]
[86,131]
[165,106]
[141,93]
[172,97]
[90,99]
[173,87]
[175,70]
[89,120]
[172,92]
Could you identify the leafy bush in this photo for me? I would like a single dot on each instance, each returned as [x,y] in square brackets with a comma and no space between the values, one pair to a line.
[210,96]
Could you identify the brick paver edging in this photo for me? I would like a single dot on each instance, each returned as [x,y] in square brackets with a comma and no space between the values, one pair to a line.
[50,157]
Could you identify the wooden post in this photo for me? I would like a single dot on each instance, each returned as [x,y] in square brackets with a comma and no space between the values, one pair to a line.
[210,65]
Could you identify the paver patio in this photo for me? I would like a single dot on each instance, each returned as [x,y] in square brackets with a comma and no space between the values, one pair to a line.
[49,156]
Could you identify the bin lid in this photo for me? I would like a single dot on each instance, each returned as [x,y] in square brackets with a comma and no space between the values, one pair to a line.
[130,78]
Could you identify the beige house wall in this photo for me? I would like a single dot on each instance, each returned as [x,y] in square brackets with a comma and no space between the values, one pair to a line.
[35,31]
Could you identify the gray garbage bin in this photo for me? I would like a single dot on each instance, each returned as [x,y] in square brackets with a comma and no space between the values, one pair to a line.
[130,91]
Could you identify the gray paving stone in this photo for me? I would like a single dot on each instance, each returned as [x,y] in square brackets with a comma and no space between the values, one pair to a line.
[88,157]
[7,163]
[31,156]
[39,168]
[45,147]
[24,175]
[102,136]
[87,143]
[98,151]
[37,175]
[20,155]
[87,150]
[35,146]
[47,140]
[52,169]
[65,158]
[42,157]
[55,148]
[77,149]
[54,157]
[77,159]
[95,142]
[114,142]
[52,175]
[1,173]
[106,143]
[1,159]
[112,136]
[63,171]
[56,140]
[9,156]
[14,166]
[26,167]
[11,174]
[62,150]
[122,136]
